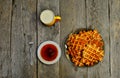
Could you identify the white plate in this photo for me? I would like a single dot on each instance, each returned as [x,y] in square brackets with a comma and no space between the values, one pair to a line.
[45,61]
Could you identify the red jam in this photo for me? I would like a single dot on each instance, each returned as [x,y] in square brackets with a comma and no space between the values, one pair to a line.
[49,52]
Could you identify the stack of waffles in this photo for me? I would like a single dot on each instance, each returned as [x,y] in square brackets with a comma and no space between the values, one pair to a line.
[85,48]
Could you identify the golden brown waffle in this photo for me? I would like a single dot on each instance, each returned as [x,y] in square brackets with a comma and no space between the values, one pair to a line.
[85,48]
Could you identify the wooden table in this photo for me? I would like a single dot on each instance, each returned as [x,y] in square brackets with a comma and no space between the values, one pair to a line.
[20,25]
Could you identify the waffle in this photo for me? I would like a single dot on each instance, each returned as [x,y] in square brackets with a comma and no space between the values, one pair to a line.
[85,48]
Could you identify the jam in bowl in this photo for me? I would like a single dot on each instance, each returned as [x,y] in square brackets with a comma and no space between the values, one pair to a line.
[49,52]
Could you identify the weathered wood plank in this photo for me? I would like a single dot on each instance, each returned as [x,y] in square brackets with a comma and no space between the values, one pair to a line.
[23,32]
[48,33]
[5,28]
[98,17]
[73,18]
[115,37]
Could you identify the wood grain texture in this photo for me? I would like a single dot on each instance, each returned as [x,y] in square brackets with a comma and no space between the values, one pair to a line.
[73,17]
[48,33]
[5,28]
[23,31]
[98,18]
[115,37]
